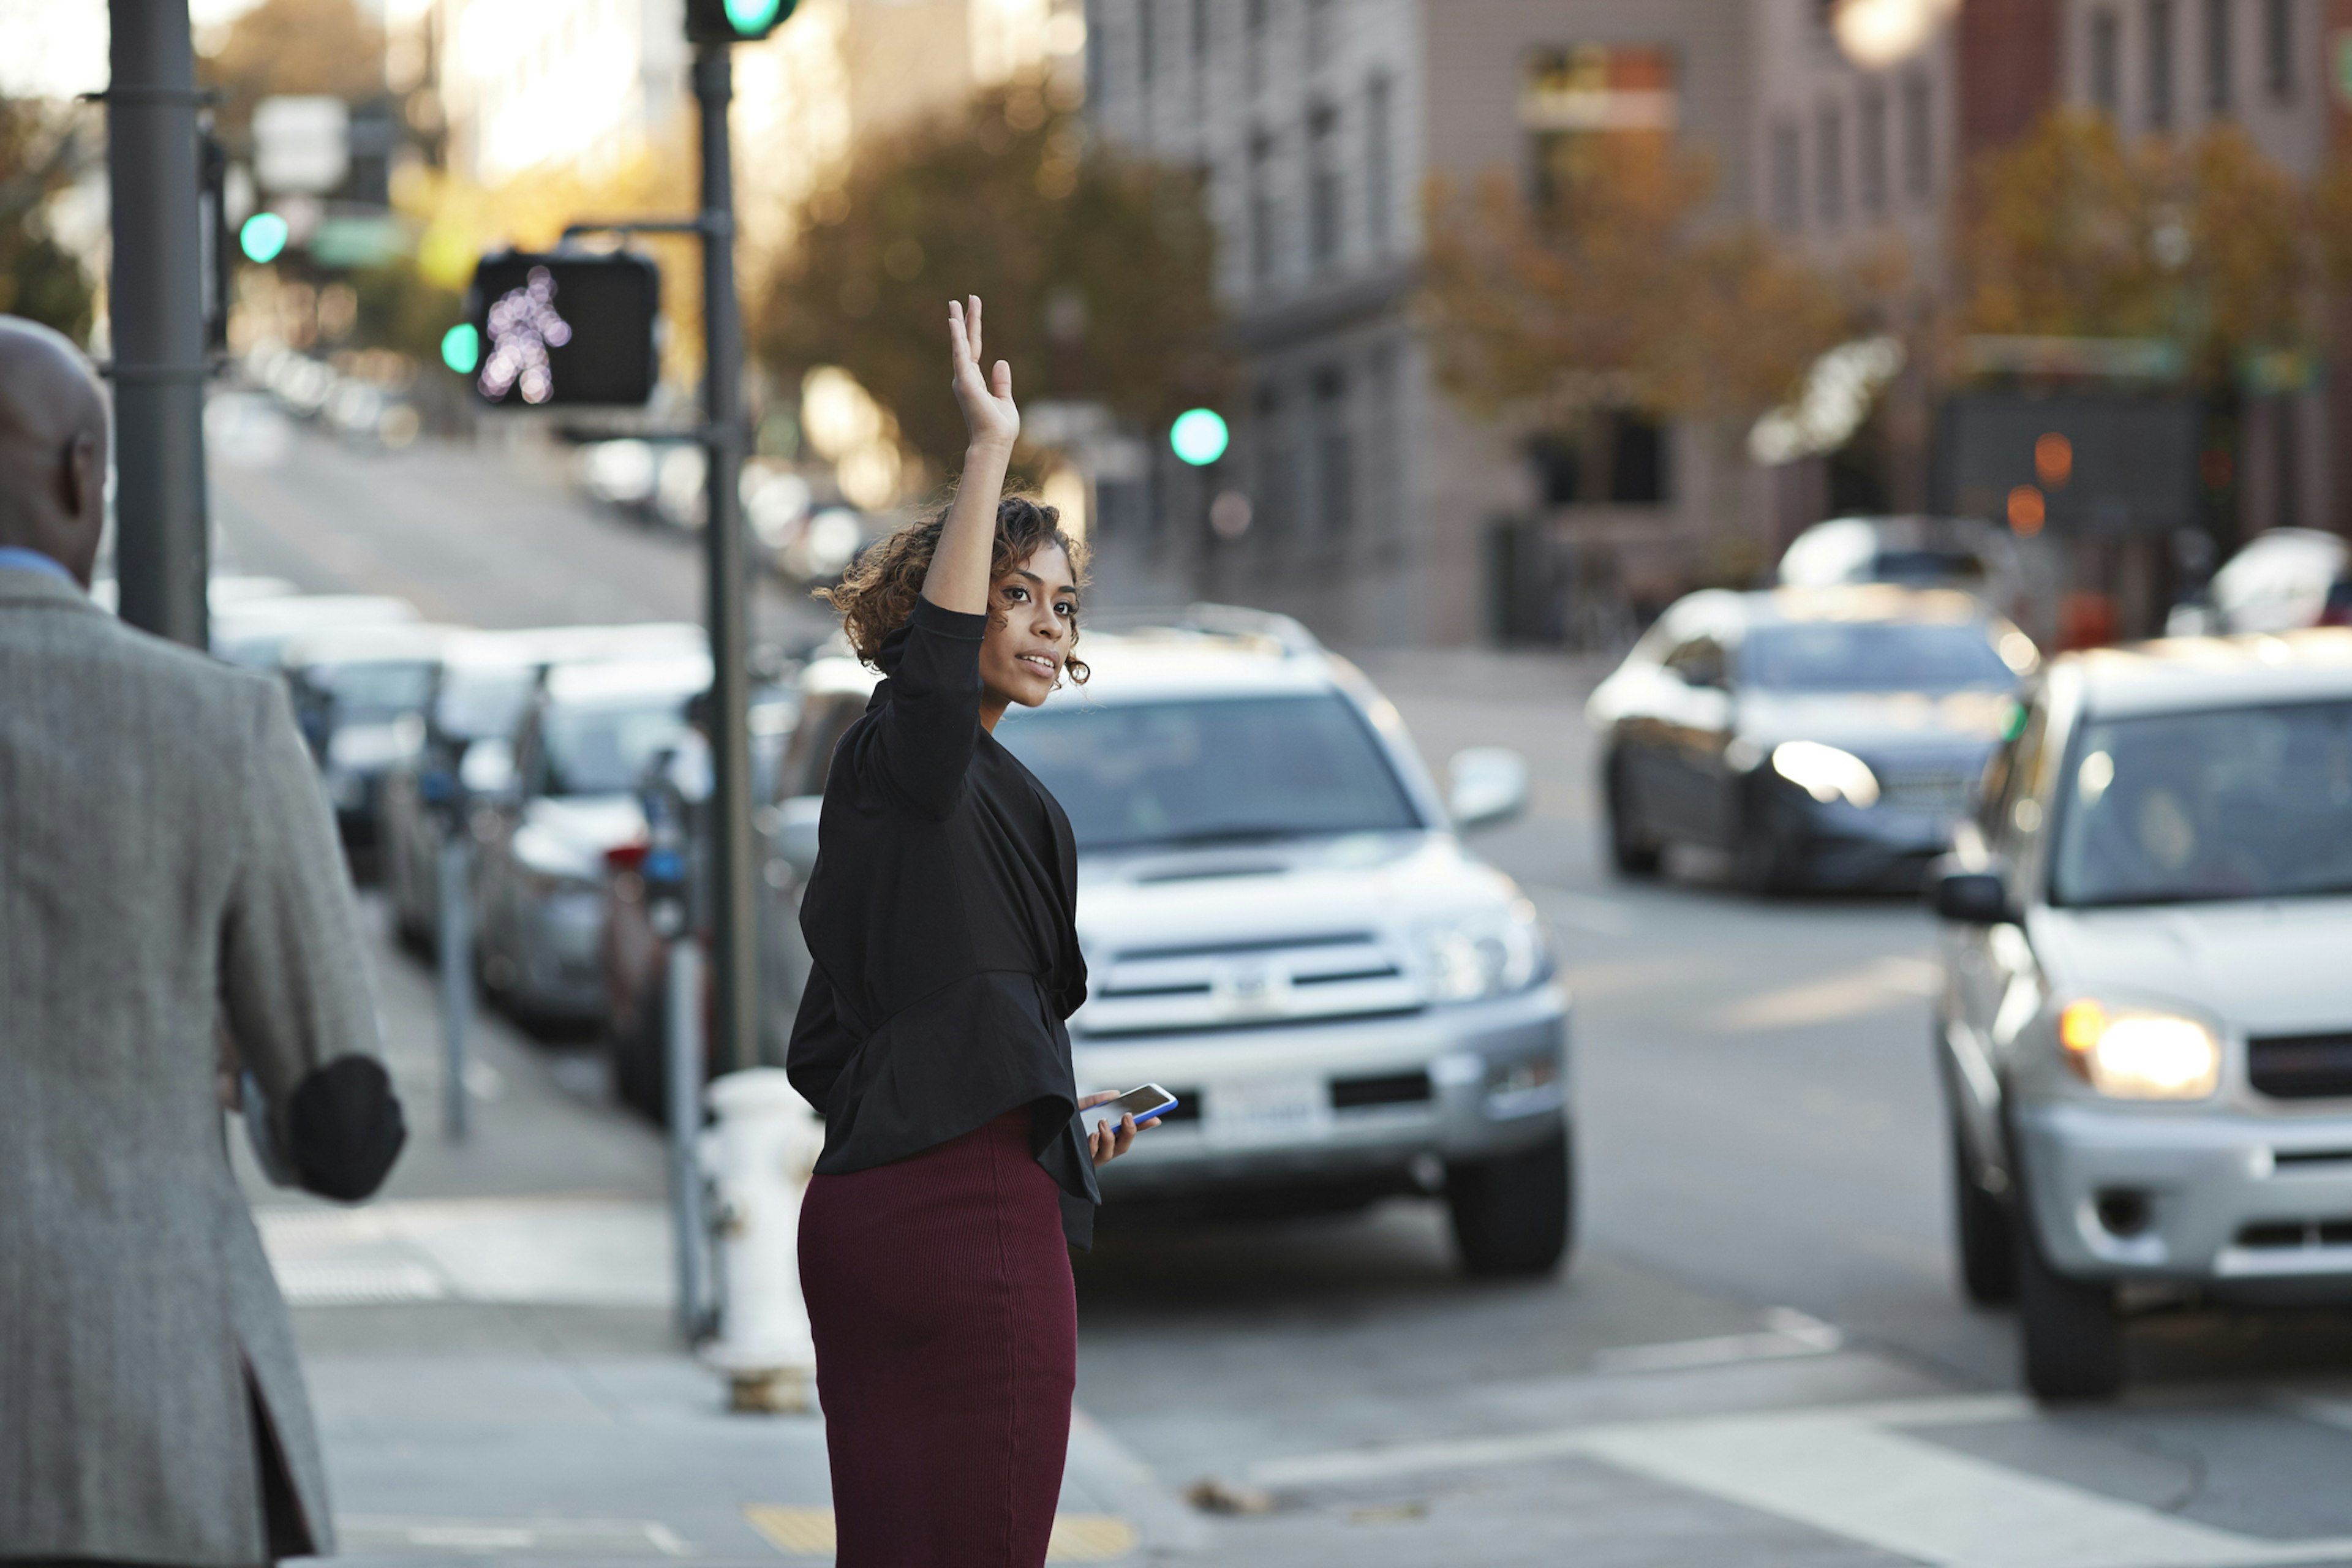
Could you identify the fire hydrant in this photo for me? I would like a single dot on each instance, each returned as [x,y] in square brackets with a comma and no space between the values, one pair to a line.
[758,1154]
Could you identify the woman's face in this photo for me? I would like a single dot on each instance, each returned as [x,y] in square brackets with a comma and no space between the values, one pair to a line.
[1033,619]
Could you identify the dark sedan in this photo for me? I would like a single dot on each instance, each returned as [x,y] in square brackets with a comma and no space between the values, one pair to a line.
[1824,737]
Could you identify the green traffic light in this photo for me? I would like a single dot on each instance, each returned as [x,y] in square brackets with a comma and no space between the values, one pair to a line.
[263,236]
[461,348]
[752,17]
[1198,437]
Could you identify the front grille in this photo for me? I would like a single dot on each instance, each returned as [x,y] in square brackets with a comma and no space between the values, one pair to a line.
[1397,1089]
[2301,1067]
[2277,1234]
[1937,793]
[1246,983]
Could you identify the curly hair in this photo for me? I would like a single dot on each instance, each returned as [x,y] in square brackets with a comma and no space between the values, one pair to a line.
[877,594]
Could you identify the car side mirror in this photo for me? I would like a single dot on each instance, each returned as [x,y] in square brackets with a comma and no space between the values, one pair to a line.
[1486,785]
[796,821]
[488,769]
[1970,898]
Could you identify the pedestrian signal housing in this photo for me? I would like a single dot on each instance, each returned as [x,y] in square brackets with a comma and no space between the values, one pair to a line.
[735,21]
[556,331]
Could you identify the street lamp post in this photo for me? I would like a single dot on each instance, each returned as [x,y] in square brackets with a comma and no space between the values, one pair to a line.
[155,309]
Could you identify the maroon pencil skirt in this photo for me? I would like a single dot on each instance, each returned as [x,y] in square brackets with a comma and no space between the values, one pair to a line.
[947,1339]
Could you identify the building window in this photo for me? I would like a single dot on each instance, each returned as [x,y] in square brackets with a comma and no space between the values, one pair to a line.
[1593,107]
[2278,49]
[1263,213]
[1199,34]
[1787,179]
[2216,57]
[2159,65]
[2107,61]
[1335,455]
[1918,137]
[1146,23]
[1386,457]
[1637,460]
[1323,189]
[1871,148]
[1828,172]
[1559,466]
[1379,171]
[1278,492]
[1098,84]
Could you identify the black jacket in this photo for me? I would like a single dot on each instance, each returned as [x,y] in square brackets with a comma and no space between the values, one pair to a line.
[941,915]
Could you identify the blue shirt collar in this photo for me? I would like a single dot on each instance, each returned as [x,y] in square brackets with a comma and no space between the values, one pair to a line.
[15,559]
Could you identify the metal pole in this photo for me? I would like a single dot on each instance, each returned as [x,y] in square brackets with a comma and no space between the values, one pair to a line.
[155,306]
[457,972]
[682,1064]
[737,992]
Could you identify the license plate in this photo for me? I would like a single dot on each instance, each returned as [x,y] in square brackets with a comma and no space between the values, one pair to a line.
[1267,1110]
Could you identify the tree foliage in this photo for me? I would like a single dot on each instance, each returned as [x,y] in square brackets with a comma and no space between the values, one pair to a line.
[1625,297]
[293,47]
[39,279]
[2198,241]
[1096,271]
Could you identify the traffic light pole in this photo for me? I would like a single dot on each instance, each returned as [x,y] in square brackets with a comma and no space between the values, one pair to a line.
[736,969]
[156,310]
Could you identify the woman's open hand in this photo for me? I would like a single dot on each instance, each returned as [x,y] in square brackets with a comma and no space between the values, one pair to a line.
[1108,1140]
[989,416]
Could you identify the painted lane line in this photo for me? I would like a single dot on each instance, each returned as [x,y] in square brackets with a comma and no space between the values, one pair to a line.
[1875,987]
[1790,1333]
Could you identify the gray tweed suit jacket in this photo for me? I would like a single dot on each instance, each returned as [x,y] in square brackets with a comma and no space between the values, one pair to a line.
[166,863]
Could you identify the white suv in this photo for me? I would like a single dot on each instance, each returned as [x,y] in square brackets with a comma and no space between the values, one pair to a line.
[1281,927]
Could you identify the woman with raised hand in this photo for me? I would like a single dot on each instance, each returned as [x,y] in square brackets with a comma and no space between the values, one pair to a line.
[941,916]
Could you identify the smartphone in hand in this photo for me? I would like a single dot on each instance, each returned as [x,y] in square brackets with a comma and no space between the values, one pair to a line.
[1141,1103]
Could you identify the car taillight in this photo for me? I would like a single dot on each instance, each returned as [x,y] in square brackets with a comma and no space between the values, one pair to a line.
[2338,611]
[626,856]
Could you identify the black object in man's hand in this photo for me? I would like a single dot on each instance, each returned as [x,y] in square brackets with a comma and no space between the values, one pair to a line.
[346,1128]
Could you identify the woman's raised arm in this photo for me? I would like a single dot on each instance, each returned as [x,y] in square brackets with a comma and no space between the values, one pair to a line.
[958,578]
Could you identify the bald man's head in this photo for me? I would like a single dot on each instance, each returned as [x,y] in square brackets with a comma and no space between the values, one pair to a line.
[52,447]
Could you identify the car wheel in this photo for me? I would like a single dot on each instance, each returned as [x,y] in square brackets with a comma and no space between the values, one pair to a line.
[1514,1215]
[1633,852]
[1760,859]
[1985,1233]
[2071,1334]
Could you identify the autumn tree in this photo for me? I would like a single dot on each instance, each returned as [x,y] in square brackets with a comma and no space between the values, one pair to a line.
[1096,268]
[1621,294]
[40,149]
[331,48]
[2200,242]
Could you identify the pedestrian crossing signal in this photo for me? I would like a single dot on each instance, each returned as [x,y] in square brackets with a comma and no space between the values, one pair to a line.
[551,331]
[735,21]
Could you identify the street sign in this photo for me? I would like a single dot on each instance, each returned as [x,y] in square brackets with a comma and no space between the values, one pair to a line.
[2102,463]
[735,21]
[561,330]
[301,143]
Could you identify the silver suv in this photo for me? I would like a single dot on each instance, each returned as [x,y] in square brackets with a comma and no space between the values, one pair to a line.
[1281,927]
[2146,1024]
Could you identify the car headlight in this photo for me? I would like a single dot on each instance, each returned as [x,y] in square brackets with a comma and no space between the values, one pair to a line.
[2132,1054]
[1469,958]
[1825,772]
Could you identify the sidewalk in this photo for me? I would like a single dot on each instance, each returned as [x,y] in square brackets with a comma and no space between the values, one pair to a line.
[491,1357]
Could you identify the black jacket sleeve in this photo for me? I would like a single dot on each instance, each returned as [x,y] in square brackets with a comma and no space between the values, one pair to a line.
[921,741]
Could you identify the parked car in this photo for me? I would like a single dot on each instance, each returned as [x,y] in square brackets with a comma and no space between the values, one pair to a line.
[357,693]
[255,632]
[481,688]
[583,745]
[643,912]
[2283,580]
[2145,1029]
[1824,737]
[1965,554]
[1282,928]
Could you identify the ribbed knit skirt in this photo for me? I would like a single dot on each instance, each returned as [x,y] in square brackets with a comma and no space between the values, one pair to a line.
[947,1331]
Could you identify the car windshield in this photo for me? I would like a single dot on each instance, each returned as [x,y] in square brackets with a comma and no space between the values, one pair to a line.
[1872,655]
[1206,769]
[484,700]
[376,689]
[2250,803]
[603,749]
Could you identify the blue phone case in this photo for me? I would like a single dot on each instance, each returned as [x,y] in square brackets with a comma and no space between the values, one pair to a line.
[1174,1102]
